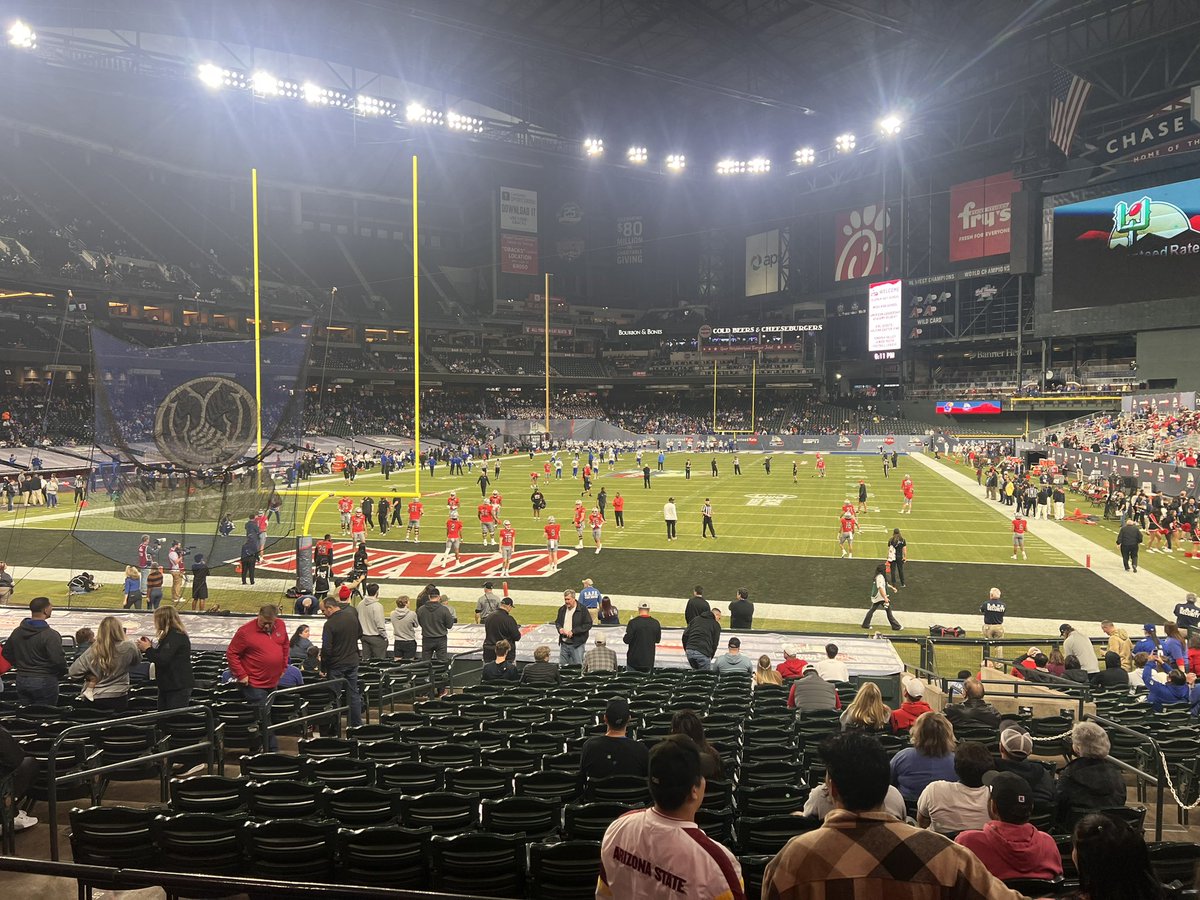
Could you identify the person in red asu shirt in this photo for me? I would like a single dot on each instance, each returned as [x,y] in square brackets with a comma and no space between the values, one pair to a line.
[487,522]
[906,488]
[416,509]
[508,543]
[847,525]
[552,530]
[452,503]
[358,527]
[619,509]
[497,501]
[257,656]
[345,507]
[596,521]
[1019,527]
[580,515]
[454,529]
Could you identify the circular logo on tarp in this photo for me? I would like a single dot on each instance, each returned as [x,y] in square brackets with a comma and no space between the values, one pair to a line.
[207,422]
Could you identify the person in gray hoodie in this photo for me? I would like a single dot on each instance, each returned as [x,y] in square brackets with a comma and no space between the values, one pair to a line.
[374,625]
[105,666]
[36,652]
[404,630]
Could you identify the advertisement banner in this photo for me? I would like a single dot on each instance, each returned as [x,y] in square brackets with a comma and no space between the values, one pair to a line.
[980,214]
[766,262]
[885,321]
[630,233]
[518,210]
[1162,476]
[518,254]
[858,242]
[1170,130]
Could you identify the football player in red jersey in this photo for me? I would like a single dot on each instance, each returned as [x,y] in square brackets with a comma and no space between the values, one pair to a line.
[820,466]
[846,528]
[508,543]
[580,515]
[1020,526]
[596,520]
[497,501]
[358,527]
[416,509]
[552,530]
[487,522]
[906,488]
[454,529]
[452,502]
[345,507]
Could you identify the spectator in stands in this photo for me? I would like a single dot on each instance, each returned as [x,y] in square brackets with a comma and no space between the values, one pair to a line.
[257,656]
[930,758]
[792,665]
[1113,861]
[831,668]
[642,634]
[499,668]
[862,851]
[1193,653]
[1160,694]
[171,658]
[1074,670]
[1174,645]
[340,654]
[35,650]
[952,806]
[435,619]
[1088,782]
[867,711]
[973,707]
[733,660]
[812,692]
[105,666]
[700,640]
[661,848]
[1056,664]
[608,614]
[613,753]
[1008,844]
[685,721]
[696,604]
[22,768]
[573,623]
[600,658]
[500,626]
[1113,675]
[404,630]
[741,611]
[764,674]
[299,643]
[912,706]
[374,624]
[84,638]
[1119,643]
[1015,747]
[1150,642]
[541,670]
[6,584]
[1076,643]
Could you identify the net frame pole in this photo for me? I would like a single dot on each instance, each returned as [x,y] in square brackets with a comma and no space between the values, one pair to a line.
[416,245]
[546,335]
[257,324]
[714,395]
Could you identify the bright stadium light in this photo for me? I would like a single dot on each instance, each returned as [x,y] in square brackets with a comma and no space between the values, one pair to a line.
[264,83]
[313,93]
[22,36]
[374,106]
[891,124]
[731,167]
[210,76]
[758,165]
[636,155]
[845,143]
[457,122]
[416,112]
[676,162]
[806,156]
[593,147]
[319,96]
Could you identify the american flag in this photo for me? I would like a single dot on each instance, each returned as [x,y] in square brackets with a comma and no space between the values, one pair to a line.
[1068,94]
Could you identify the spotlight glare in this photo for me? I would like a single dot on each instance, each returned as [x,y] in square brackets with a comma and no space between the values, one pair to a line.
[593,147]
[264,83]
[415,112]
[636,155]
[313,93]
[373,106]
[806,156]
[22,36]
[845,142]
[891,124]
[758,165]
[459,122]
[731,167]
[210,76]
[676,162]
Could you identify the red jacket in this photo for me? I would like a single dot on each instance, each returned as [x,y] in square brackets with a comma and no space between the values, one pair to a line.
[791,668]
[261,656]
[909,712]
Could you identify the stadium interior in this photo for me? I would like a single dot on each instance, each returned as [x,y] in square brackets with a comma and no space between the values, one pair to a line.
[796,303]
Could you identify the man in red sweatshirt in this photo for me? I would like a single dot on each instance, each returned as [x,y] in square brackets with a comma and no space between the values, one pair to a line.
[913,707]
[257,656]
[1009,846]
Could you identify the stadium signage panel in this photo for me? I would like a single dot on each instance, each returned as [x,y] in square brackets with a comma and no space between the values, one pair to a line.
[518,210]
[1171,129]
[518,254]
[885,320]
[555,330]
[767,329]
[980,216]
[970,407]
[1162,476]
[981,272]
[639,332]
[630,236]
[1142,244]
[766,262]
[858,242]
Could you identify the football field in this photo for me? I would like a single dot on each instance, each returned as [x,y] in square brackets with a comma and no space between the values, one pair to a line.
[776,536]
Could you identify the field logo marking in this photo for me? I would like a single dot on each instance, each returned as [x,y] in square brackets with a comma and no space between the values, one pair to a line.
[768,499]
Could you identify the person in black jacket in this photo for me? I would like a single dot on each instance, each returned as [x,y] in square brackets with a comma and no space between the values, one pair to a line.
[642,634]
[1128,539]
[1113,675]
[700,640]
[339,651]
[36,652]
[500,669]
[172,659]
[696,604]
[1090,781]
[500,626]
[541,670]
[573,623]
[741,611]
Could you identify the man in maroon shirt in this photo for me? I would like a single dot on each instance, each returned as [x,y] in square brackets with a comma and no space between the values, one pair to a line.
[257,656]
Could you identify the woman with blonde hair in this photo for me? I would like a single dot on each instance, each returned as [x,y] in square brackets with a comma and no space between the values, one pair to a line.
[867,712]
[929,759]
[105,666]
[172,659]
[133,588]
[765,673]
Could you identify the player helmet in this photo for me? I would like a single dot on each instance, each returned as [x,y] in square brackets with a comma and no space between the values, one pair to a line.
[579,503]
[595,509]
[550,519]
[847,515]
[506,522]
[454,493]
[454,514]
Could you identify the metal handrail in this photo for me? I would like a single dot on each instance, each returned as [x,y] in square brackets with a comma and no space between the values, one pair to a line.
[53,779]
[1154,780]
[326,686]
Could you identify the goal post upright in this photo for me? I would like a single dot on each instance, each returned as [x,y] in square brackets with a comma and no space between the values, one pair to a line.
[546,336]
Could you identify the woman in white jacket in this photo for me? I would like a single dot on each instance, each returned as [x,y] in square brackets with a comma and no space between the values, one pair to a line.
[105,666]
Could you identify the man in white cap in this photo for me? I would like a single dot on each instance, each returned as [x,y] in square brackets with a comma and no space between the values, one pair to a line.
[792,665]
[600,658]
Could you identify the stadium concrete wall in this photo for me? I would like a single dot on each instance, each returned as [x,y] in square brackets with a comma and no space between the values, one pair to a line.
[1166,358]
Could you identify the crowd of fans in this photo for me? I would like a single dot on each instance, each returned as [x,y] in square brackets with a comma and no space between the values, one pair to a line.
[1172,437]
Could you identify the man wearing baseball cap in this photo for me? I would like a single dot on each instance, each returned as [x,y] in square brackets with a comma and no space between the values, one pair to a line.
[1009,846]
[613,753]
[487,603]
[1016,745]
[642,634]
[500,626]
[599,658]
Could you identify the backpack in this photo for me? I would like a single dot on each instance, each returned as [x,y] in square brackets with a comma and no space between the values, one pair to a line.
[943,631]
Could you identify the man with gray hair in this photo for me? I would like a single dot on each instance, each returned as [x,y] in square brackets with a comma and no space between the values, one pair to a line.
[993,610]
[599,658]
[1187,613]
[1090,781]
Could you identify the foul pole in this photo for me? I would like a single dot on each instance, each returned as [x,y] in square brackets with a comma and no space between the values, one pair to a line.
[546,335]
[257,325]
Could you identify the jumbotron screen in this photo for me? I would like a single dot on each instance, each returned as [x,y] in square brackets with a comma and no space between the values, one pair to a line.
[885,315]
[1139,245]
[970,407]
